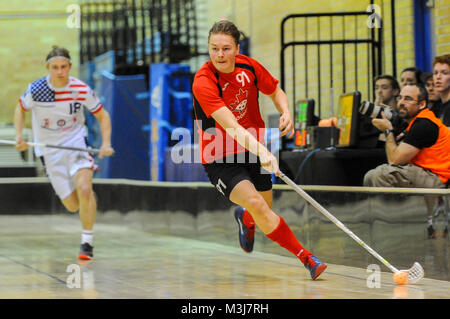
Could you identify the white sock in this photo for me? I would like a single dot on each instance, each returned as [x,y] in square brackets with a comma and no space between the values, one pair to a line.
[87,236]
[430,220]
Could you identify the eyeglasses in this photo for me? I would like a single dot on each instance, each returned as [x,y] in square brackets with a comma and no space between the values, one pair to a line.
[406,98]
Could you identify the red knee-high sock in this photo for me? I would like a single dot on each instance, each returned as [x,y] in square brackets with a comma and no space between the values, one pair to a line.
[248,219]
[284,236]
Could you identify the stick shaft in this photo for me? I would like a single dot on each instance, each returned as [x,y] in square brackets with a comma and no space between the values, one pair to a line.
[89,150]
[322,210]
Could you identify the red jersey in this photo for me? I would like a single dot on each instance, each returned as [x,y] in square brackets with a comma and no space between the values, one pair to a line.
[239,92]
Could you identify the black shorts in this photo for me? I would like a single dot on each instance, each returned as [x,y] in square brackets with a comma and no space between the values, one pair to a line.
[226,174]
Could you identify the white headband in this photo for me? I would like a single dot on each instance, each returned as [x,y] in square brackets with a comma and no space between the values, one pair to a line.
[58,57]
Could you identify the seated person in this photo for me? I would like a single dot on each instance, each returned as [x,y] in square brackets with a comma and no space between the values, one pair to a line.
[386,92]
[422,159]
[441,80]
[410,75]
[433,97]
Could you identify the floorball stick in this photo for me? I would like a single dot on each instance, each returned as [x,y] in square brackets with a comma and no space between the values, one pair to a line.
[89,150]
[414,274]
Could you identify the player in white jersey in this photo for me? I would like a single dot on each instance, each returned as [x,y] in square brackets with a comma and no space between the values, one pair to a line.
[56,102]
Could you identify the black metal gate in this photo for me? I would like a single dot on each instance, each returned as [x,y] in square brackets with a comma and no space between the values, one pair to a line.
[139,32]
[337,52]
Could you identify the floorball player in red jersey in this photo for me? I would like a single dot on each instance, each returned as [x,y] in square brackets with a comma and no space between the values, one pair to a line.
[231,138]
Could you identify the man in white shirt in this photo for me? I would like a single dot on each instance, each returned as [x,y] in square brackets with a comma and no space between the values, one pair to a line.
[56,102]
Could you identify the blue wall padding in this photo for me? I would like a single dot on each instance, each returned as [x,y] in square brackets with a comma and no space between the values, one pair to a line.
[129,113]
[170,108]
[103,62]
[87,73]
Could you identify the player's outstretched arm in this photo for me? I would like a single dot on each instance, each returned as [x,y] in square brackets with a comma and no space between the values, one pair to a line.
[105,129]
[19,123]
[280,101]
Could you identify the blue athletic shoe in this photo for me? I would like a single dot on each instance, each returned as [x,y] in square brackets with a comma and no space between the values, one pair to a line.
[315,266]
[246,234]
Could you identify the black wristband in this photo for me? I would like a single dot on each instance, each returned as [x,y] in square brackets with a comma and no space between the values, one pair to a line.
[387,132]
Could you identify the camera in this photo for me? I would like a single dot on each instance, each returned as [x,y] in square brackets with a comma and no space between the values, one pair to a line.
[374,111]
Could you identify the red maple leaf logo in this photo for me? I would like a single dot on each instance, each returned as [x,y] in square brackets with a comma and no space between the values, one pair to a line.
[241,101]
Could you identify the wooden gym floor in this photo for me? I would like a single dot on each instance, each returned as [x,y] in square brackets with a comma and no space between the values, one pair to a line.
[38,259]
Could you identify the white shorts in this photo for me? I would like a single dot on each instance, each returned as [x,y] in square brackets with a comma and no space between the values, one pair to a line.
[61,167]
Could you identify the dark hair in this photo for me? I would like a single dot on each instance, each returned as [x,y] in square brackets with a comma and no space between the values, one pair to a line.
[394,82]
[417,73]
[423,93]
[58,51]
[426,76]
[225,27]
[445,58]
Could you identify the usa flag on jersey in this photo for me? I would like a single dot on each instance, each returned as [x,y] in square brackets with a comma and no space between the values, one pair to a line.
[41,91]
[57,113]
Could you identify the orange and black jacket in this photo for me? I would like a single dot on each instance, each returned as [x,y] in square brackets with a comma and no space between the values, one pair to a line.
[435,158]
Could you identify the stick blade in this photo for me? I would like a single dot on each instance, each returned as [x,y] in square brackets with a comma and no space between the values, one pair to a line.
[415,273]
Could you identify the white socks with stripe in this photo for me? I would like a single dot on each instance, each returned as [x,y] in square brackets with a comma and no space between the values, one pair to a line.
[87,236]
